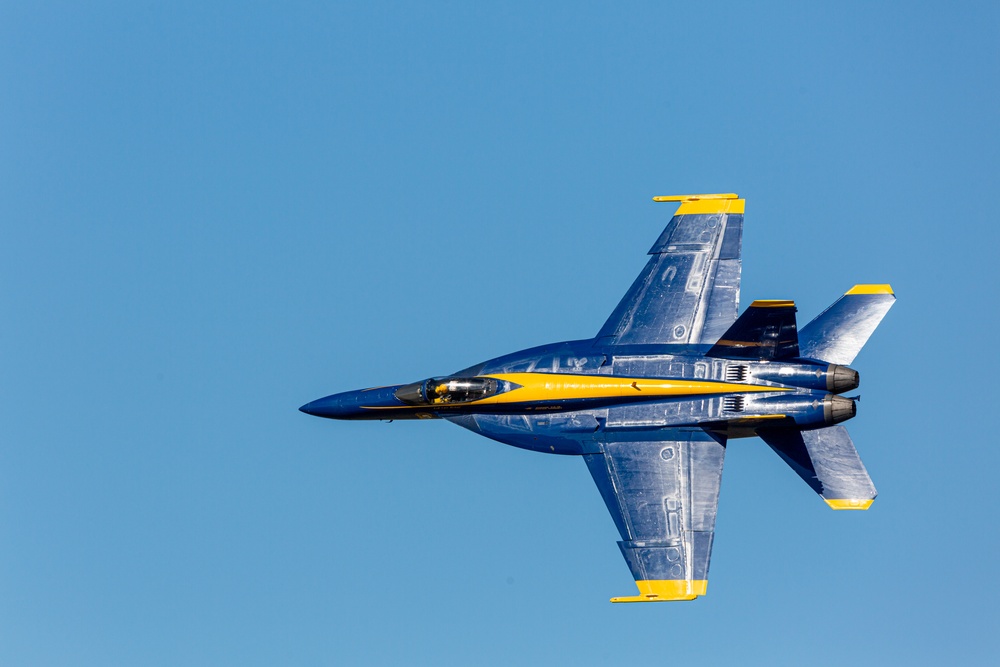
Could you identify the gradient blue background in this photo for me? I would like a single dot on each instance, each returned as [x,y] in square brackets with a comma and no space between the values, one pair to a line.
[210,215]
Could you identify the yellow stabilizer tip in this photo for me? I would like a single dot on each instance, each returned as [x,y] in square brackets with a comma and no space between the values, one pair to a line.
[870,289]
[666,590]
[773,303]
[841,504]
[727,195]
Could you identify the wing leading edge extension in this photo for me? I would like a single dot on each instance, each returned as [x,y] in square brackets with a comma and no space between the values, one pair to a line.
[663,495]
[689,291]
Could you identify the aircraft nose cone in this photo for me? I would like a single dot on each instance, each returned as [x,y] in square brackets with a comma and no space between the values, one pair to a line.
[323,407]
[353,404]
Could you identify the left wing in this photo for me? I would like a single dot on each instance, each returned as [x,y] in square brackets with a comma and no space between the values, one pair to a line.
[689,291]
[663,495]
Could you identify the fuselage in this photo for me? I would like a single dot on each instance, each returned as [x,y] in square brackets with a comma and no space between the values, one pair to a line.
[584,385]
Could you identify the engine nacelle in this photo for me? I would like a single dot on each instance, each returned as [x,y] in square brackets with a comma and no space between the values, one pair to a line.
[807,411]
[833,378]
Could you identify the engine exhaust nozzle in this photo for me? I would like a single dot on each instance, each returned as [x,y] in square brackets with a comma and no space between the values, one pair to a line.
[838,409]
[841,378]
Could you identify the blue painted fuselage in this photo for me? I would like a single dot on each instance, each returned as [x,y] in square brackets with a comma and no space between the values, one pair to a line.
[651,401]
[738,396]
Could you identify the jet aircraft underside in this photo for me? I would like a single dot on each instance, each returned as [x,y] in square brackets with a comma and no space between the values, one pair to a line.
[651,401]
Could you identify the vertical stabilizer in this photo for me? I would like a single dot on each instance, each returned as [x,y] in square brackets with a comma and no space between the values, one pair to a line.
[766,330]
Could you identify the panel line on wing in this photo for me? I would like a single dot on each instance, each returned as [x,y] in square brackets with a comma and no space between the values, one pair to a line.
[688,292]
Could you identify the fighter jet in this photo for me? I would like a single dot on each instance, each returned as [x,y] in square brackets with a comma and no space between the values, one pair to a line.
[652,400]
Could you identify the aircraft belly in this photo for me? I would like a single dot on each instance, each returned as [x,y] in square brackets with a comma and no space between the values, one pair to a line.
[663,413]
[575,433]
[571,433]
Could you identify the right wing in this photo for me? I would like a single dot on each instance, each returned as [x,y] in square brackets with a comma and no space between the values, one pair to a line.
[689,291]
[662,494]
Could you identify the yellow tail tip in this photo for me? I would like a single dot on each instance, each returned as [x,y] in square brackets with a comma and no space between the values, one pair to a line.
[871,289]
[772,303]
[847,504]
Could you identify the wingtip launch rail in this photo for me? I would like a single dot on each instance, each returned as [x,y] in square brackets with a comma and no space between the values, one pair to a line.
[675,198]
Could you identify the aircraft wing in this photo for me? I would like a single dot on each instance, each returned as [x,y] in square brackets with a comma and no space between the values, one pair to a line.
[689,291]
[663,494]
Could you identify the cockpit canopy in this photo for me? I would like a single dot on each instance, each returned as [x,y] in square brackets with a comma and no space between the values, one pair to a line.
[438,391]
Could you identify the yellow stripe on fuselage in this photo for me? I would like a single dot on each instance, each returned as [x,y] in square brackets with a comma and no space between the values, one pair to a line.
[538,387]
[559,387]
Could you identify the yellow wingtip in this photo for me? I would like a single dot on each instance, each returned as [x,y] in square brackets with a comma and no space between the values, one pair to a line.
[728,202]
[666,590]
[871,289]
[848,504]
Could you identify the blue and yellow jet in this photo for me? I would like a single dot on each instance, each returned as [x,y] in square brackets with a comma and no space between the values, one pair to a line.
[651,401]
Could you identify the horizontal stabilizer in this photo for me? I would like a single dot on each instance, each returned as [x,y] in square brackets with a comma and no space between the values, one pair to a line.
[840,331]
[828,462]
[765,330]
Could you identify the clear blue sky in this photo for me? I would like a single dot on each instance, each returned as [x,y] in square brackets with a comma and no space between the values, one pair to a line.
[211,214]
